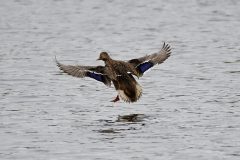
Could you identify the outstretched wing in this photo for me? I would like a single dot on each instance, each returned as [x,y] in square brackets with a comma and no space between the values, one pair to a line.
[142,64]
[95,72]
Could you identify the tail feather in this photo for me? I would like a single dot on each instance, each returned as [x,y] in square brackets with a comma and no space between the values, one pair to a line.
[133,97]
[128,88]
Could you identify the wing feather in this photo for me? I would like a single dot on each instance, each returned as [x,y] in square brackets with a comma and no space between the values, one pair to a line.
[162,55]
[96,72]
[156,58]
[144,63]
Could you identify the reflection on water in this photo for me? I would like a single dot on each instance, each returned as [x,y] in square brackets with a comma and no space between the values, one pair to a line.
[131,118]
[190,104]
[123,123]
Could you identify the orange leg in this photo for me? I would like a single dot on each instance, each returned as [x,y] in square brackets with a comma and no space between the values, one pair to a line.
[116,99]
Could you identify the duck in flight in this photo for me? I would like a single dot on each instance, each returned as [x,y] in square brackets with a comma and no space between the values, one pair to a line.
[120,73]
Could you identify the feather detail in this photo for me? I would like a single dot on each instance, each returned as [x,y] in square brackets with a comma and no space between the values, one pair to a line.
[144,67]
[99,77]
[95,72]
[164,53]
[155,58]
[133,98]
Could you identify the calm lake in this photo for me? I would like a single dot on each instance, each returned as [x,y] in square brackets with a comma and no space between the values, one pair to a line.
[190,108]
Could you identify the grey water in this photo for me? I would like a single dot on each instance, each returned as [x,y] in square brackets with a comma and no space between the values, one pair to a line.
[190,108]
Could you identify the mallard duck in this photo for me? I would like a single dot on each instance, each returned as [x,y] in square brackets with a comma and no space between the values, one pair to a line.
[120,73]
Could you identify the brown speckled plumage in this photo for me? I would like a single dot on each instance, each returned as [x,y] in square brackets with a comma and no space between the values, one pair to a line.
[120,73]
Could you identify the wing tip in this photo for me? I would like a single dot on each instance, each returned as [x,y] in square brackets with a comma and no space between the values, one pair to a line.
[56,61]
[167,48]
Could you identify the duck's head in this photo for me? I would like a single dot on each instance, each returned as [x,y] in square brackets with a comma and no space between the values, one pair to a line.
[103,56]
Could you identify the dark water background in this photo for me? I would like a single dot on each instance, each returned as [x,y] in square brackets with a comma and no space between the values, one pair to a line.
[190,106]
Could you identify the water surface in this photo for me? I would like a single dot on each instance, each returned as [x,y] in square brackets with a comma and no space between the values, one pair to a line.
[190,104]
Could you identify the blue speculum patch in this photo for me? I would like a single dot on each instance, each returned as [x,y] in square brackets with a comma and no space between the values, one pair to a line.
[96,76]
[144,66]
